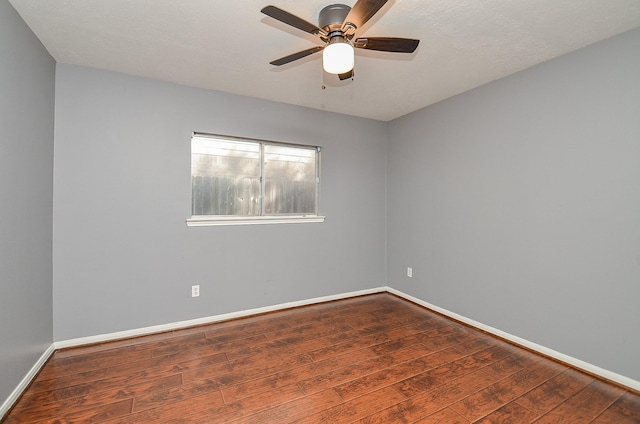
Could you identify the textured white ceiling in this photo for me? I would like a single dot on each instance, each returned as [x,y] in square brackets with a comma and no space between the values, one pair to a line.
[227,45]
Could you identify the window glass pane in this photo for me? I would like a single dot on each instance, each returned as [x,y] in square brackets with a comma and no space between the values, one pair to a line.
[289,180]
[225,177]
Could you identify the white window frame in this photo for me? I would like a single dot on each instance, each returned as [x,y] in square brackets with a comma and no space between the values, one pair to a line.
[217,220]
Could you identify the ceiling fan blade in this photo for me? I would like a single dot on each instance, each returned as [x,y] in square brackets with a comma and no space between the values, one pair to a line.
[296,56]
[346,75]
[387,44]
[293,20]
[361,12]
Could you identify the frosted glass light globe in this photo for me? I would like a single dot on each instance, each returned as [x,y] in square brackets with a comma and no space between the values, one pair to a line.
[337,58]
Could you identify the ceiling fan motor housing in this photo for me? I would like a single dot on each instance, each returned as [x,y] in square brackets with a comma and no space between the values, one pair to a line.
[332,17]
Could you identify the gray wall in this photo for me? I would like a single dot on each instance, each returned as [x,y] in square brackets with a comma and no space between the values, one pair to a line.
[26,175]
[518,204]
[124,257]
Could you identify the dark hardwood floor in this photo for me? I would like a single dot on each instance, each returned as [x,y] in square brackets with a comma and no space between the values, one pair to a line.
[371,359]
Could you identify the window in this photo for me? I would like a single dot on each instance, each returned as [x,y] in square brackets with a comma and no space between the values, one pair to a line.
[243,181]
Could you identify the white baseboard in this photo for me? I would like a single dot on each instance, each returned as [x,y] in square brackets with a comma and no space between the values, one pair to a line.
[574,362]
[208,320]
[24,383]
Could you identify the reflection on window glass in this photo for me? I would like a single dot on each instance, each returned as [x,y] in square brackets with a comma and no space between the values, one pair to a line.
[248,178]
[290,180]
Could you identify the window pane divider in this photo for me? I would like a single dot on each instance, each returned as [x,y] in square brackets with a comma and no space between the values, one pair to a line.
[261,179]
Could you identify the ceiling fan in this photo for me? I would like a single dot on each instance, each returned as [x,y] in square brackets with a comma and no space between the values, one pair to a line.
[337,25]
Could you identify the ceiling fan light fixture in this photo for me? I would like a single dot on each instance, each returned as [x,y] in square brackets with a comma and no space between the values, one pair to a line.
[337,26]
[338,57]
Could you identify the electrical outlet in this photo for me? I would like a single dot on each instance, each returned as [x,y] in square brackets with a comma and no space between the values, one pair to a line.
[409,272]
[195,290]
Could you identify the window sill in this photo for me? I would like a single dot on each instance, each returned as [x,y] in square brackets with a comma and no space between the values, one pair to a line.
[207,221]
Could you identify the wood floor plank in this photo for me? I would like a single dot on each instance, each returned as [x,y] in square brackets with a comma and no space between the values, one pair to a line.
[445,416]
[245,369]
[556,390]
[203,409]
[426,403]
[192,410]
[455,368]
[112,345]
[357,316]
[92,394]
[362,338]
[293,344]
[148,342]
[499,394]
[207,346]
[167,364]
[101,357]
[625,410]
[167,396]
[370,359]
[56,369]
[412,341]
[308,332]
[243,330]
[510,413]
[294,411]
[355,409]
[93,400]
[345,373]
[97,414]
[584,406]
[394,373]
[295,374]
[514,363]
[68,380]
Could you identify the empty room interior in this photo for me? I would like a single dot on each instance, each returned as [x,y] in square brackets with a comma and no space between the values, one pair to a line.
[475,200]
